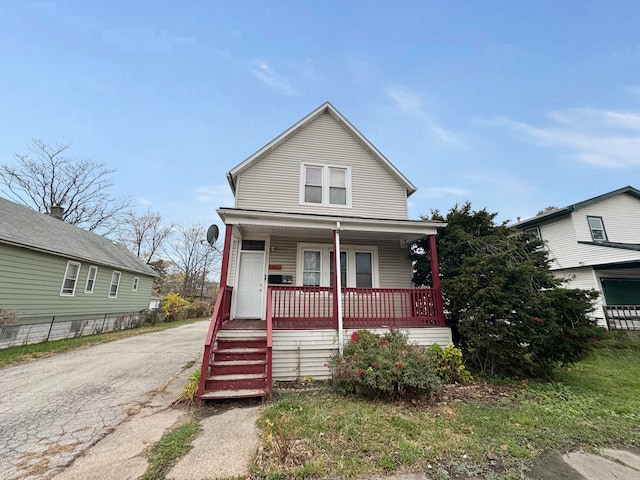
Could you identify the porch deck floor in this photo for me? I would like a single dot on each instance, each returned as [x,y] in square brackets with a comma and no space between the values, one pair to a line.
[243,324]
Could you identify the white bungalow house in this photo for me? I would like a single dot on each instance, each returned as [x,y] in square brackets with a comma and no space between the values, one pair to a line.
[595,244]
[286,302]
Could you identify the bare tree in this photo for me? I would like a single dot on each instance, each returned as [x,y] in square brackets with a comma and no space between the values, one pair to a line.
[46,178]
[194,259]
[144,234]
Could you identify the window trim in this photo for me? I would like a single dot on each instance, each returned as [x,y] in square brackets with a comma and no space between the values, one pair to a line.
[113,274]
[92,268]
[134,286]
[535,231]
[326,184]
[325,267]
[604,231]
[75,280]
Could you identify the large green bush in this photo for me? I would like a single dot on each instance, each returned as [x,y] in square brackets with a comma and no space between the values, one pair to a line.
[383,366]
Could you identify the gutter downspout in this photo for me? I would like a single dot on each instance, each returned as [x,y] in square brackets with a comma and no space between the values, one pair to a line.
[338,285]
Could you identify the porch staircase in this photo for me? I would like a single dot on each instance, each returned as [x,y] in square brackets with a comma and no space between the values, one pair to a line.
[237,366]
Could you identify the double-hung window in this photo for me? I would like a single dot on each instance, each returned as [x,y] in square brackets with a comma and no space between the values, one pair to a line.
[325,185]
[358,266]
[91,279]
[596,225]
[115,283]
[70,279]
[533,232]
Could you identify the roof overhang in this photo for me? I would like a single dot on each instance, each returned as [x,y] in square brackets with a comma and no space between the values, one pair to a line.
[323,226]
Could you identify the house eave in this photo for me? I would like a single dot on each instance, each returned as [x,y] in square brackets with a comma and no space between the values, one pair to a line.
[419,228]
[68,256]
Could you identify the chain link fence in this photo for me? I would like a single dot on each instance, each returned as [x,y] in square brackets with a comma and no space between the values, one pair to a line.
[56,327]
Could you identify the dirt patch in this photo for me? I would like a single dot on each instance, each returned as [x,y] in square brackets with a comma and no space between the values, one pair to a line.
[482,392]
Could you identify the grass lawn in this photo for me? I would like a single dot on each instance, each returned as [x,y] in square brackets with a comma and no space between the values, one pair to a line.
[13,355]
[493,430]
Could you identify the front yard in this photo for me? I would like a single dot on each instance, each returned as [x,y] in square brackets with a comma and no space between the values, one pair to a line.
[495,430]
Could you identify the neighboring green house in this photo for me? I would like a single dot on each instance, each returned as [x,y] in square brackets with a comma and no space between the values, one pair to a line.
[49,268]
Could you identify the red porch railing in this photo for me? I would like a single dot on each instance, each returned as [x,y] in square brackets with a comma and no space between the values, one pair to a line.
[269,342]
[302,307]
[221,313]
[312,307]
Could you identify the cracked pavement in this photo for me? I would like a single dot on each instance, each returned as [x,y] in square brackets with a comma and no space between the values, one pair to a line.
[53,409]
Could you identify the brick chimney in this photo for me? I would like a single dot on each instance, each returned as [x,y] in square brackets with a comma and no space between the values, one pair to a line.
[57,211]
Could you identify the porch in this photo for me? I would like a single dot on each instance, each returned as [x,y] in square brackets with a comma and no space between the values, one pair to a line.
[242,357]
[282,270]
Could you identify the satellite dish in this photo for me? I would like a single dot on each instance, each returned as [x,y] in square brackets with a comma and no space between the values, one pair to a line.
[212,234]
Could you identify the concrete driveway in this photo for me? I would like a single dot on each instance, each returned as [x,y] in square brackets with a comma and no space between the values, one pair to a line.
[51,410]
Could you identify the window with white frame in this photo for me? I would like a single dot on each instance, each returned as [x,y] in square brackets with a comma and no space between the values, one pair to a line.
[135,284]
[358,265]
[91,279]
[533,232]
[596,225]
[70,279]
[115,283]
[325,185]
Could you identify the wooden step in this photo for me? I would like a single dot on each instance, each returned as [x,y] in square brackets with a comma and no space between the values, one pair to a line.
[239,353]
[226,394]
[221,367]
[240,381]
[227,343]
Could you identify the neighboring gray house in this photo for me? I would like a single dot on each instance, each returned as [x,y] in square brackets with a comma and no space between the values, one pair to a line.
[50,268]
[595,244]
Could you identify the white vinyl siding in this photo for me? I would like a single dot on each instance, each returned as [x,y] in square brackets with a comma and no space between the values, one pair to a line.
[70,279]
[620,214]
[273,183]
[91,279]
[394,266]
[115,284]
[304,353]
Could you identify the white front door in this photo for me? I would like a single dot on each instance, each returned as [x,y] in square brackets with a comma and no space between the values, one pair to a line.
[250,285]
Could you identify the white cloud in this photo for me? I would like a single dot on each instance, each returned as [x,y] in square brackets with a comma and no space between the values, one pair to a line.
[438,192]
[603,138]
[263,72]
[412,105]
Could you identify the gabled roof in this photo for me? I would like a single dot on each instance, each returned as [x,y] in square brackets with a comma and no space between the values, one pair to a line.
[24,227]
[322,109]
[560,212]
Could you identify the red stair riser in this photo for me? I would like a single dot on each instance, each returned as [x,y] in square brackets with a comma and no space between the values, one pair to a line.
[239,384]
[234,369]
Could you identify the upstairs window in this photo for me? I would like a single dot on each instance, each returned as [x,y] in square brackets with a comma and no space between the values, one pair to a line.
[533,232]
[325,185]
[115,283]
[596,225]
[91,279]
[70,279]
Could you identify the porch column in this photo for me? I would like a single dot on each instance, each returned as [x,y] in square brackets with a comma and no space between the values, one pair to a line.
[337,287]
[226,253]
[435,278]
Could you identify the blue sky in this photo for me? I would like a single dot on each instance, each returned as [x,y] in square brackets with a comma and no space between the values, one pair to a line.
[513,105]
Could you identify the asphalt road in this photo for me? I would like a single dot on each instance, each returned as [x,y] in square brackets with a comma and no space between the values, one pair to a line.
[52,409]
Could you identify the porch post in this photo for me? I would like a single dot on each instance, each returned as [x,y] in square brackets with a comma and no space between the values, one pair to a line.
[435,278]
[337,287]
[226,253]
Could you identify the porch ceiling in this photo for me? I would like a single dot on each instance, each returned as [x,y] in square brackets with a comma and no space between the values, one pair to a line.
[322,227]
